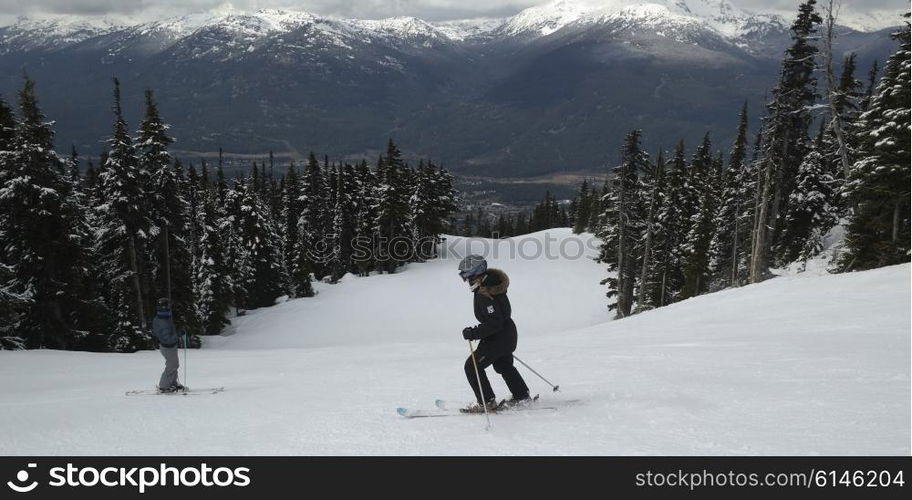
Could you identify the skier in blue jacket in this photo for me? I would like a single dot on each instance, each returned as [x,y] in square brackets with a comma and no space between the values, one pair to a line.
[164,330]
[496,331]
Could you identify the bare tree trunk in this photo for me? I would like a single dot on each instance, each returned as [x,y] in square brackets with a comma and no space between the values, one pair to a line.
[833,91]
[734,257]
[136,285]
[621,254]
[895,222]
[648,250]
[758,253]
[662,296]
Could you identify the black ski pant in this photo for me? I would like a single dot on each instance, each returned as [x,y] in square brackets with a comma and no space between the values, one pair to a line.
[496,350]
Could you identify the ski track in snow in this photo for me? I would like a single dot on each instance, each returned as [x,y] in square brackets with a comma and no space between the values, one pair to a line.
[802,364]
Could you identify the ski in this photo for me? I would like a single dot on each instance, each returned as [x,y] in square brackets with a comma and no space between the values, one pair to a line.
[407,413]
[530,406]
[445,410]
[186,392]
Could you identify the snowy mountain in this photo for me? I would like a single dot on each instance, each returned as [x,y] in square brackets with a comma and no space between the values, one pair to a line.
[52,33]
[806,364]
[530,94]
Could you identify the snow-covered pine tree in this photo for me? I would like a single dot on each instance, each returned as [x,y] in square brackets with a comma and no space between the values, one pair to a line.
[624,224]
[44,237]
[296,260]
[315,217]
[785,136]
[705,180]
[259,261]
[344,222]
[811,211]
[365,217]
[432,204]
[650,283]
[7,125]
[445,203]
[878,233]
[583,208]
[392,212]
[221,184]
[212,281]
[869,90]
[732,233]
[600,200]
[123,233]
[169,249]
[73,164]
[674,220]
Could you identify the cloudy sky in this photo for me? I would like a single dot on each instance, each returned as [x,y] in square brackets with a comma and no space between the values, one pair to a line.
[432,10]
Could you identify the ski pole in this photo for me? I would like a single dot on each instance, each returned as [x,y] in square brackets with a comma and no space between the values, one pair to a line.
[186,341]
[555,388]
[480,389]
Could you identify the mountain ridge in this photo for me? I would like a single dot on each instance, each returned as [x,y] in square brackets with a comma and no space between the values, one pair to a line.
[553,88]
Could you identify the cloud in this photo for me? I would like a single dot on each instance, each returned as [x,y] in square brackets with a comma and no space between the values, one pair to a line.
[432,10]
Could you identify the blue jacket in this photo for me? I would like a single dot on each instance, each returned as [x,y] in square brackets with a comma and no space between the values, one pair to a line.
[163,329]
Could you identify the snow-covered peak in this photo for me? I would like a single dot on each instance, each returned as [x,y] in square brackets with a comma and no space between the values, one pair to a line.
[719,15]
[56,31]
[871,20]
[259,23]
[542,20]
[401,27]
[464,29]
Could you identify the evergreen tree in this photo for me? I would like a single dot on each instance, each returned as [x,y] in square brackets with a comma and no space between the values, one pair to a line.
[392,198]
[878,232]
[212,284]
[624,218]
[344,222]
[674,220]
[44,238]
[812,212]
[169,250]
[732,234]
[705,180]
[122,237]
[366,215]
[583,208]
[296,259]
[7,126]
[785,136]
[653,188]
[315,217]
[259,262]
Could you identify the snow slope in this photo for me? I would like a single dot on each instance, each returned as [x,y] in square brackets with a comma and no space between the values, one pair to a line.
[801,364]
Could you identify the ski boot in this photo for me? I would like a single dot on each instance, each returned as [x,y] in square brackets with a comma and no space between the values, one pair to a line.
[517,402]
[491,406]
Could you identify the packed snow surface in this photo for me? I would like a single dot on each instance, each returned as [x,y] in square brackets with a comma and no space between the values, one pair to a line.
[801,364]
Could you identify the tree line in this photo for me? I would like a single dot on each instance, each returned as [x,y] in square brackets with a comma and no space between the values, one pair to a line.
[684,224]
[85,256]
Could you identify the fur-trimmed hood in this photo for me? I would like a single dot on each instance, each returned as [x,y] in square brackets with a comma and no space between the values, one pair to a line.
[495,283]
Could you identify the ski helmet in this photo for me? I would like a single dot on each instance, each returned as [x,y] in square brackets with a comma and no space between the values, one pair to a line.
[472,266]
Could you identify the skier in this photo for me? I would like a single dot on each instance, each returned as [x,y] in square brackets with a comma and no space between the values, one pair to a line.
[163,329]
[496,331]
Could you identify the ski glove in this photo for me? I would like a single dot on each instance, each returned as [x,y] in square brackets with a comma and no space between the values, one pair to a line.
[468,333]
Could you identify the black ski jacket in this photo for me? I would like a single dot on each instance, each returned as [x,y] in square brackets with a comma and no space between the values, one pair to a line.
[492,307]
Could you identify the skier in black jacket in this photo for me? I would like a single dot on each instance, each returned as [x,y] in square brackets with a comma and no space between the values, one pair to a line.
[496,331]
